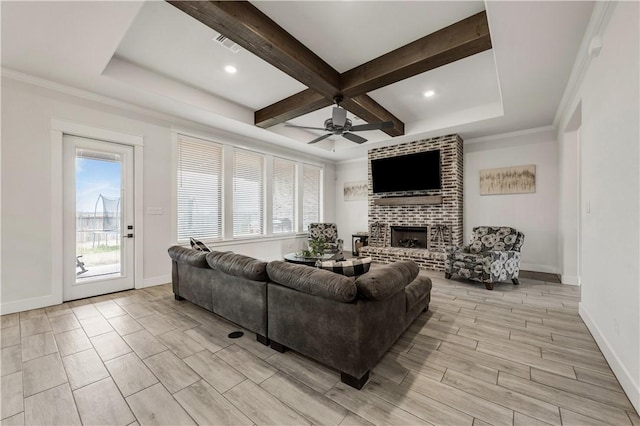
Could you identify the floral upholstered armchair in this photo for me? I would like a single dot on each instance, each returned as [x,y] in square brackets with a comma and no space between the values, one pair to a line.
[492,256]
[328,232]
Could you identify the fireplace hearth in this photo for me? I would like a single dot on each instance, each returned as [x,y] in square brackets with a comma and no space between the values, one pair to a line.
[409,236]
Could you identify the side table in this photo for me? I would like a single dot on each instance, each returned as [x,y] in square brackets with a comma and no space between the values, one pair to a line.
[359,240]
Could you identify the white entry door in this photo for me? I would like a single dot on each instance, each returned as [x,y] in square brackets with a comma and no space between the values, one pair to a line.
[98,249]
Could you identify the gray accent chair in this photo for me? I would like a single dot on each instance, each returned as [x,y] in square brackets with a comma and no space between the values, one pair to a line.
[492,256]
[228,284]
[345,323]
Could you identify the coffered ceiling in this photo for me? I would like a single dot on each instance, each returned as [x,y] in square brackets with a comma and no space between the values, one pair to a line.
[154,55]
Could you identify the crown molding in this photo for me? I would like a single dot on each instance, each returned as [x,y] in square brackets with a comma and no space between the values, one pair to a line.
[352,160]
[172,122]
[79,93]
[599,17]
[515,134]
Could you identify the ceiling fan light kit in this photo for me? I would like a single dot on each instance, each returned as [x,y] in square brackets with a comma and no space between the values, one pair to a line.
[340,125]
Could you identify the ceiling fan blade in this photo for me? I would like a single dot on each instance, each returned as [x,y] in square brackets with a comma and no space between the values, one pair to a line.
[339,116]
[372,126]
[354,138]
[304,127]
[318,139]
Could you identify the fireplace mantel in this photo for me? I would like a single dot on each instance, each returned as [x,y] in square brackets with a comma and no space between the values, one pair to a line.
[418,200]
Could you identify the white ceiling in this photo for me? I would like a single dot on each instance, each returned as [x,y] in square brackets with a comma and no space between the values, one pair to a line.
[154,56]
[167,41]
[349,33]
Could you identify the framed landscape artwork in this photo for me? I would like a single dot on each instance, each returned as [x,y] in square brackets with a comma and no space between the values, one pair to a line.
[356,191]
[508,180]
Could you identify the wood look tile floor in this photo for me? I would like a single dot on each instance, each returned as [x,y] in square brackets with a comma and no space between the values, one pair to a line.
[517,355]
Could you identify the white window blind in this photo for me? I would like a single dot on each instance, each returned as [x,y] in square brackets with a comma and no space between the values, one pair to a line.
[199,189]
[311,194]
[284,195]
[248,193]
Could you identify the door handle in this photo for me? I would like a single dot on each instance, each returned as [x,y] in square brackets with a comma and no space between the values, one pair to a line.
[128,236]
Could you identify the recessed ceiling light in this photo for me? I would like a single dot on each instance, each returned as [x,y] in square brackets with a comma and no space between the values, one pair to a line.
[230,69]
[429,93]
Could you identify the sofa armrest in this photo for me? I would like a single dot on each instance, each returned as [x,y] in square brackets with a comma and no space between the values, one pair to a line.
[188,256]
[387,280]
[501,255]
[457,249]
[238,265]
[452,249]
[313,281]
[418,290]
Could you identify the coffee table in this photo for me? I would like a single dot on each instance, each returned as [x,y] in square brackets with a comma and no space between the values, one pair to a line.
[309,261]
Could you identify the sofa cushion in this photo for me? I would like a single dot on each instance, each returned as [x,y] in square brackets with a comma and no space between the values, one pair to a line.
[349,268]
[384,281]
[501,238]
[238,265]
[199,245]
[312,281]
[188,256]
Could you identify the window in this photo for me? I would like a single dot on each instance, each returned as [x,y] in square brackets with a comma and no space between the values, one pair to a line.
[311,194]
[283,195]
[248,193]
[199,184]
[226,192]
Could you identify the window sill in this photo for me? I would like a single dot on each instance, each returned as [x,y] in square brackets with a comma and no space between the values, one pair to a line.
[249,239]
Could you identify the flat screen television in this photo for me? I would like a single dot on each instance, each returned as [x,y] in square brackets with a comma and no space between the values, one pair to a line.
[413,172]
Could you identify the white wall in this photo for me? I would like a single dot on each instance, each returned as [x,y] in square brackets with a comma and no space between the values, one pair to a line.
[569,206]
[351,216]
[27,227]
[610,194]
[535,214]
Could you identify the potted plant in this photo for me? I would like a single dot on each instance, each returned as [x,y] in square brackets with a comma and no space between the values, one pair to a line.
[317,246]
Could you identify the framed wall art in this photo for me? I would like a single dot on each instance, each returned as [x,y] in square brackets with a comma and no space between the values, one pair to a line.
[508,180]
[356,191]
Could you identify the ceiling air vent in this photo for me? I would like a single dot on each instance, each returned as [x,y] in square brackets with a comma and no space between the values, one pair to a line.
[226,42]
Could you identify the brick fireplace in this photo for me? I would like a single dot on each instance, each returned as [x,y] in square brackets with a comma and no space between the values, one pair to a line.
[432,219]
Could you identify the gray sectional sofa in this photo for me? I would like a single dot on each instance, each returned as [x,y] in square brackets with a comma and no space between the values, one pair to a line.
[347,323]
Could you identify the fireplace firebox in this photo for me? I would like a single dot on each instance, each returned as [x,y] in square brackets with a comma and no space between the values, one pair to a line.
[409,236]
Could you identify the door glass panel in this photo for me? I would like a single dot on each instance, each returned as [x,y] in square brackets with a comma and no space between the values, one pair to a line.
[98,215]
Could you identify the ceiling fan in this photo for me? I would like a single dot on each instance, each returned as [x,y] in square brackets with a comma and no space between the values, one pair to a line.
[339,124]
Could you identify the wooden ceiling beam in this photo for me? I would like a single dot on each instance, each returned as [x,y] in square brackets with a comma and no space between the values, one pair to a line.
[294,106]
[372,112]
[457,41]
[246,25]
[257,33]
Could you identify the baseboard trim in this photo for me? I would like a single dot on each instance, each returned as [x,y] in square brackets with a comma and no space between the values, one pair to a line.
[28,304]
[51,299]
[538,268]
[153,281]
[626,380]
[570,280]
